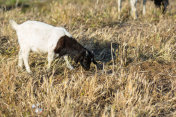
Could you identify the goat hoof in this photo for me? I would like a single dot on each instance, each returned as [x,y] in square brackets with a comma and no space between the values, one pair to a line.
[29,71]
[71,68]
[48,70]
[20,66]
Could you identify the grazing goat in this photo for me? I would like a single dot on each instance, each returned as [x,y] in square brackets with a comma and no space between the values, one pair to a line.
[40,37]
[162,4]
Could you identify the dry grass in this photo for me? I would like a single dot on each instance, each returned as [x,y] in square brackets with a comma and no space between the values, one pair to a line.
[139,73]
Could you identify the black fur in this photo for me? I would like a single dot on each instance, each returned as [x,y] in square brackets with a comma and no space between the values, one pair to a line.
[69,46]
[161,4]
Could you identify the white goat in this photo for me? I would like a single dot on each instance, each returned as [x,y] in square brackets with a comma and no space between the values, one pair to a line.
[133,7]
[38,37]
[41,37]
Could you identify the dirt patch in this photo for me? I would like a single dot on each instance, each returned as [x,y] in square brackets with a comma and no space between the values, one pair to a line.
[155,69]
[161,75]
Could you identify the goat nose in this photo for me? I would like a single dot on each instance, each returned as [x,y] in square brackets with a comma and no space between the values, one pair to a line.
[94,62]
[87,68]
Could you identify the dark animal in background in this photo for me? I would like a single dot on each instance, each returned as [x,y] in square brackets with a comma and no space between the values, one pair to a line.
[162,4]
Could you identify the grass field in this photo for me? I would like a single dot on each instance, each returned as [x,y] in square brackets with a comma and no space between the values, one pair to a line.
[138,78]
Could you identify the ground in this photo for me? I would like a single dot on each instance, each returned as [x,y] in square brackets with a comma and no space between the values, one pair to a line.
[136,75]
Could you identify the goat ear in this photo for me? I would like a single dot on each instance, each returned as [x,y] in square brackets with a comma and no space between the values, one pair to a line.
[87,53]
[94,61]
[76,60]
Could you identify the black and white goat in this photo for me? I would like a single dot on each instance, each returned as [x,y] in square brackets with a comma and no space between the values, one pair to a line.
[41,37]
[159,3]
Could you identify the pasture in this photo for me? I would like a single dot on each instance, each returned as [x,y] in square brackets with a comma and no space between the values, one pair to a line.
[137,77]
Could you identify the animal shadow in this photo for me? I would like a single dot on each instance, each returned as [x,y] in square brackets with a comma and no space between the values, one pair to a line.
[104,51]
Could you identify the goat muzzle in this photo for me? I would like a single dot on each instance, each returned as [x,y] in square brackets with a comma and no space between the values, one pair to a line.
[94,61]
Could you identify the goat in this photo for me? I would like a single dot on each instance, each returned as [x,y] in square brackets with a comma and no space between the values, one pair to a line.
[162,4]
[41,37]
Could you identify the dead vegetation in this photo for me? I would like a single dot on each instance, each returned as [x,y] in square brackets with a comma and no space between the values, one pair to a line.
[138,77]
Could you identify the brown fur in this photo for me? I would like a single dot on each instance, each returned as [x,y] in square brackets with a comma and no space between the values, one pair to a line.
[69,46]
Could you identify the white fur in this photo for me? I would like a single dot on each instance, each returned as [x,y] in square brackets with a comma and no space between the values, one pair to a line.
[37,37]
[133,7]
